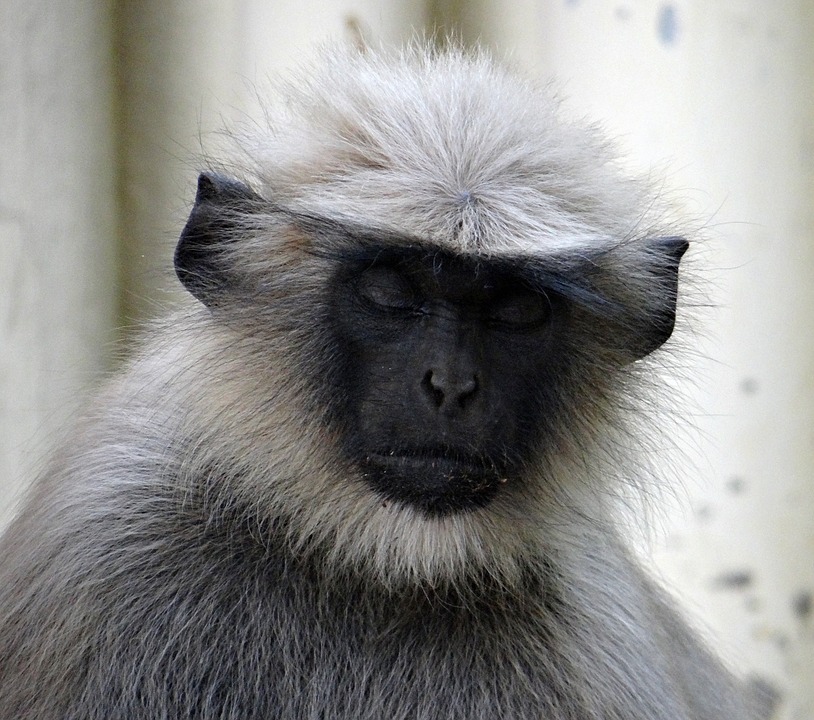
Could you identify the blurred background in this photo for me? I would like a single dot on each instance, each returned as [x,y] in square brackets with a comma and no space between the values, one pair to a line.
[104,107]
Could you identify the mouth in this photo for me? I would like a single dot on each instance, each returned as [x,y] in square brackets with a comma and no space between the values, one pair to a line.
[433,480]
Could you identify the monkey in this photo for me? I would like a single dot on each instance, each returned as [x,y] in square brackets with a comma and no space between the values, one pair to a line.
[371,467]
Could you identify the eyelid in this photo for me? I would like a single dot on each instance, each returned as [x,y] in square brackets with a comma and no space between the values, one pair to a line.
[384,287]
[521,309]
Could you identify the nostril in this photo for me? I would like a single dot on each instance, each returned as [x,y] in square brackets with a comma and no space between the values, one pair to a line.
[433,387]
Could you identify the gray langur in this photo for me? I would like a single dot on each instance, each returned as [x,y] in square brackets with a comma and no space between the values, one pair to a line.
[370,470]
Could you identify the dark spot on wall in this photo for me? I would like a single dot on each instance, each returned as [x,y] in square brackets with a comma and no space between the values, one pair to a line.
[736,485]
[572,2]
[703,513]
[752,604]
[749,386]
[803,603]
[733,580]
[355,32]
[668,24]
[622,13]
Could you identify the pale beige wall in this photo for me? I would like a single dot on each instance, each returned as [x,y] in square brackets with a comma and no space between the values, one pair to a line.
[58,275]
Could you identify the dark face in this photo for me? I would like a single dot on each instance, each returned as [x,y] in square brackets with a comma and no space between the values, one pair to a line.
[447,362]
[443,372]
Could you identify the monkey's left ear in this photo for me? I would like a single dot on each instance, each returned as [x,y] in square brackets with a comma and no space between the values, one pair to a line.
[201,260]
[656,324]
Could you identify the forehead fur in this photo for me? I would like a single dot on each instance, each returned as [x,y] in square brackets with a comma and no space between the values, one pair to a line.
[444,145]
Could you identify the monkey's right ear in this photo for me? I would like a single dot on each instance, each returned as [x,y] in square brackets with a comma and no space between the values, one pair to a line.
[213,225]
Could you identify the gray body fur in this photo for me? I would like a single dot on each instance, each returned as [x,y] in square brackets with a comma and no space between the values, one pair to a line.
[199,549]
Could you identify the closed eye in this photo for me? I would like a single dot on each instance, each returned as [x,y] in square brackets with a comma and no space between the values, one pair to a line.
[385,288]
[524,310]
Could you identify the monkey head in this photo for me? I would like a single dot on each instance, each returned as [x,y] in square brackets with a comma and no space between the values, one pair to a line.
[439,295]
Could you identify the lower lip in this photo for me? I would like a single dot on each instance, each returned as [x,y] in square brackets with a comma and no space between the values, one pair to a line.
[437,485]
[442,465]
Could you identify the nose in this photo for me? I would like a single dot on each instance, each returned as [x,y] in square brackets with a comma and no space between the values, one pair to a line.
[449,390]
